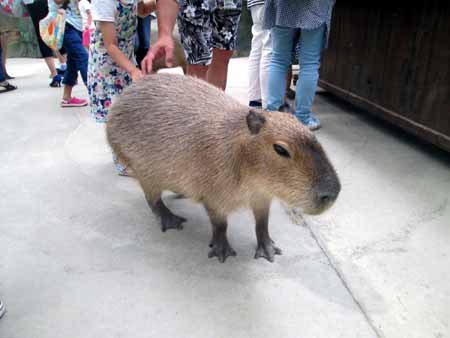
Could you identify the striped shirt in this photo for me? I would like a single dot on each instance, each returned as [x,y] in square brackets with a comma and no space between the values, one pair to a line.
[305,14]
[251,3]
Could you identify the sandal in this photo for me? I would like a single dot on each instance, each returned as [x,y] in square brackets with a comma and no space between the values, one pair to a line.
[2,309]
[7,87]
[56,81]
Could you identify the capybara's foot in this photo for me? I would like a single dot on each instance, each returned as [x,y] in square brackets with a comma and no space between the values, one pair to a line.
[171,221]
[221,249]
[168,219]
[268,250]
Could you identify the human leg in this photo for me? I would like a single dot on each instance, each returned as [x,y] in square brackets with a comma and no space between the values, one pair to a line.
[218,69]
[77,61]
[194,25]
[5,86]
[225,24]
[264,66]
[39,10]
[310,48]
[254,59]
[282,41]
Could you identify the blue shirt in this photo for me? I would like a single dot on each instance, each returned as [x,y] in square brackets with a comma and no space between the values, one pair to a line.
[73,16]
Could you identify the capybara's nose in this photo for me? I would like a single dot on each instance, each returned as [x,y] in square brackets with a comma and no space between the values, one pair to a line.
[327,197]
[328,194]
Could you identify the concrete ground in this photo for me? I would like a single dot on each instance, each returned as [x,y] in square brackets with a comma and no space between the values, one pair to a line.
[81,255]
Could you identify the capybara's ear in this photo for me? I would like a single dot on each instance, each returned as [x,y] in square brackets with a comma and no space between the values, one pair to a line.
[255,121]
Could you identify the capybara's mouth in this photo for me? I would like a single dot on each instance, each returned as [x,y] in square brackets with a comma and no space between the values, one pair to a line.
[316,207]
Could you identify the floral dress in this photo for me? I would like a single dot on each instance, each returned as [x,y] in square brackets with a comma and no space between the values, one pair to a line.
[105,78]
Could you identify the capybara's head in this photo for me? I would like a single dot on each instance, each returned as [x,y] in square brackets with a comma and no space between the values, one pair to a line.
[288,162]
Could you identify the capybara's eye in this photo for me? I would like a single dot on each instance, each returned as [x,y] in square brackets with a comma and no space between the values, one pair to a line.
[281,151]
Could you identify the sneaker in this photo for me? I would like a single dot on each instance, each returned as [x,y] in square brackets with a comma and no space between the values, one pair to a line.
[309,121]
[290,94]
[74,102]
[286,108]
[2,309]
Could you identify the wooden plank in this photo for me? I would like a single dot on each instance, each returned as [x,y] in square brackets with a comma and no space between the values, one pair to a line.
[368,64]
[393,60]
[439,139]
[435,109]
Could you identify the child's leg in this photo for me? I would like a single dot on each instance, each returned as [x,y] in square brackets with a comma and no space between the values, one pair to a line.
[77,60]
[77,57]
[70,77]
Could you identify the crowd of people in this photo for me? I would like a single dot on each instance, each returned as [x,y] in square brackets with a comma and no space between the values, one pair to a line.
[118,31]
[112,58]
[282,31]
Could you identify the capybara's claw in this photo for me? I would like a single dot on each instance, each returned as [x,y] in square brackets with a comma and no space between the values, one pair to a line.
[172,222]
[221,250]
[268,250]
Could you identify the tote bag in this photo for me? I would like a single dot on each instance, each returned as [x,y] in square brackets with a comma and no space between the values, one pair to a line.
[51,29]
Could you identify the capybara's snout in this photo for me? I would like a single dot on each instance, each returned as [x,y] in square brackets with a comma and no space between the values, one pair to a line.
[325,184]
[326,191]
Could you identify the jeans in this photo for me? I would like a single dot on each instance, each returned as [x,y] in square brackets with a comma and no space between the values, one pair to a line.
[142,39]
[2,72]
[77,57]
[259,59]
[311,45]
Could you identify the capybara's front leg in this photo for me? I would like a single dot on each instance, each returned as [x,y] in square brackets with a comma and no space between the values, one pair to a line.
[266,247]
[219,245]
[168,219]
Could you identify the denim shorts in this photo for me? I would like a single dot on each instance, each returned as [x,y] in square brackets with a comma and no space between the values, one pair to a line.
[203,27]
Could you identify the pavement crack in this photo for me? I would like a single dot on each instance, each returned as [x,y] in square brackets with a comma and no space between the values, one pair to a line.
[335,266]
[298,219]
[340,274]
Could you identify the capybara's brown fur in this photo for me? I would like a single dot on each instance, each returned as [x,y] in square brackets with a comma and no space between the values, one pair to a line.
[179,58]
[181,134]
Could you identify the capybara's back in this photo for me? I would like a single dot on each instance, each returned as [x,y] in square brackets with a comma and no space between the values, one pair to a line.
[175,131]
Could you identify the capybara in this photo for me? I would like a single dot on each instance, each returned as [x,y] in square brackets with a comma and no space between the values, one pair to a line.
[181,134]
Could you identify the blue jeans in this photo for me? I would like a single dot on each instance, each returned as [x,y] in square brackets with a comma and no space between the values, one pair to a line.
[77,57]
[142,38]
[2,73]
[311,45]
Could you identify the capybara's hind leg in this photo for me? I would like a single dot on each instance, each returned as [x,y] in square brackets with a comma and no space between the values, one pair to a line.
[219,245]
[168,219]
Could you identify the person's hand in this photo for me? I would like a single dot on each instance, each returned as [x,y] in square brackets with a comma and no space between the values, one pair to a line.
[136,74]
[162,47]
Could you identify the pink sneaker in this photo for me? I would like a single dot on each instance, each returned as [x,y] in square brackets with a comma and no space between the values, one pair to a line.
[74,102]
